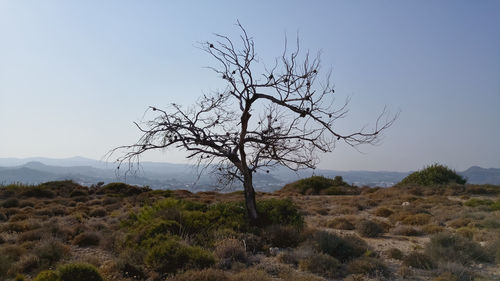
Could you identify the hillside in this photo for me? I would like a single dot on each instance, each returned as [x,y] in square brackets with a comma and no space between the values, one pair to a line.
[131,233]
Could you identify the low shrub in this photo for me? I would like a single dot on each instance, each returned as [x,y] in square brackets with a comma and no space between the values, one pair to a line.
[168,255]
[368,228]
[476,202]
[455,248]
[321,185]
[460,222]
[282,236]
[47,275]
[341,223]
[321,264]
[394,253]
[10,203]
[208,274]
[98,212]
[230,250]
[78,272]
[37,192]
[419,260]
[432,229]
[406,231]
[87,239]
[251,274]
[369,266]
[383,212]
[26,264]
[417,219]
[342,248]
[51,251]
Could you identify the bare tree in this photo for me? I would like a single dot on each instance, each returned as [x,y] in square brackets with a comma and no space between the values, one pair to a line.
[279,116]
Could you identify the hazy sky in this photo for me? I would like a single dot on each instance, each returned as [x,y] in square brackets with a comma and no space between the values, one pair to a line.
[74,75]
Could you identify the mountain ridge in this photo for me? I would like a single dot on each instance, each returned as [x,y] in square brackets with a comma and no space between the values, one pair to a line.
[185,176]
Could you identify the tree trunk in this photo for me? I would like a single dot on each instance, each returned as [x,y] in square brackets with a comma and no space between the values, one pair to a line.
[250,202]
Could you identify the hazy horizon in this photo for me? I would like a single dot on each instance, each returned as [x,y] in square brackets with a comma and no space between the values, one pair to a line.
[75,75]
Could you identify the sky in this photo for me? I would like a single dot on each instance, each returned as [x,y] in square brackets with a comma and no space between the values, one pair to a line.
[75,75]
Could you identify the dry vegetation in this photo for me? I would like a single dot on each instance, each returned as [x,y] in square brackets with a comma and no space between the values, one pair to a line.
[64,231]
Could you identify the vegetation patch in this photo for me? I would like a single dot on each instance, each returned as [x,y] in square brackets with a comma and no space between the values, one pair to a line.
[316,185]
[432,175]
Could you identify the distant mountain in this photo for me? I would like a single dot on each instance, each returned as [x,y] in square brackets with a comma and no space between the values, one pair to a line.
[480,175]
[184,176]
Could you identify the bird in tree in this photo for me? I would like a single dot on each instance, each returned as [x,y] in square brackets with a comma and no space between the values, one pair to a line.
[282,116]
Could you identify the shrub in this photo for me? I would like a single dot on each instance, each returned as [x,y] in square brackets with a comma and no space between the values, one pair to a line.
[340,223]
[47,275]
[368,228]
[321,185]
[10,203]
[37,192]
[51,251]
[78,272]
[432,175]
[322,264]
[475,202]
[279,211]
[282,236]
[230,250]
[418,219]
[168,255]
[78,192]
[493,248]
[26,263]
[455,248]
[86,239]
[208,274]
[383,212]
[342,248]
[406,231]
[251,275]
[394,253]
[32,235]
[432,228]
[369,266]
[419,260]
[98,212]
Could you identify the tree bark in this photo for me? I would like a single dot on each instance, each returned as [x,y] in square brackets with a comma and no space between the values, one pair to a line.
[250,202]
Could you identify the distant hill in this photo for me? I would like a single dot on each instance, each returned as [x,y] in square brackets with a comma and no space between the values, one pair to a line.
[184,176]
[480,175]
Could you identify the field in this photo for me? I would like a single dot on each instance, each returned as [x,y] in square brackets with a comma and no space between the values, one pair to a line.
[122,232]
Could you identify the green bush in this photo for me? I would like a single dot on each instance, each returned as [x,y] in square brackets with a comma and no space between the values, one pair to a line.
[122,189]
[342,248]
[78,272]
[47,275]
[474,202]
[321,185]
[368,228]
[168,255]
[432,175]
[455,248]
[279,211]
[321,264]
